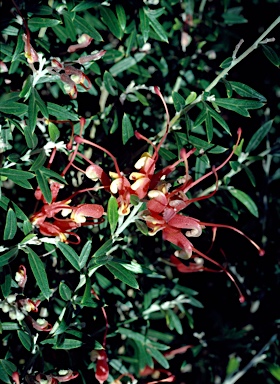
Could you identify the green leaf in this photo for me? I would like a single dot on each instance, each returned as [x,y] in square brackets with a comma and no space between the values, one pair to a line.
[69,344]
[178,100]
[40,103]
[7,257]
[110,83]
[6,282]
[69,25]
[112,213]
[64,291]
[83,258]
[192,96]
[142,227]
[17,176]
[121,16]
[159,30]
[103,249]
[6,369]
[245,200]
[36,23]
[246,91]
[219,119]
[144,25]
[174,321]
[239,106]
[87,28]
[10,226]
[51,174]
[271,55]
[209,126]
[61,113]
[39,272]
[44,185]
[53,132]
[158,356]
[13,108]
[40,160]
[200,118]
[30,137]
[226,63]
[25,339]
[258,136]
[127,129]
[274,369]
[70,254]
[122,274]
[121,66]
[109,18]
[32,111]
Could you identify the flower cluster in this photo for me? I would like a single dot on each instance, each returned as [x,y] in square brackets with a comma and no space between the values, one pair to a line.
[41,378]
[18,307]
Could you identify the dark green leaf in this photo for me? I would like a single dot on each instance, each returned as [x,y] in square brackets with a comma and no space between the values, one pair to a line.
[83,258]
[70,254]
[159,357]
[246,91]
[39,272]
[239,106]
[103,249]
[64,291]
[69,344]
[121,66]
[6,369]
[69,25]
[271,55]
[226,63]
[17,176]
[51,174]
[245,200]
[7,257]
[32,111]
[110,83]
[209,126]
[258,136]
[178,100]
[53,132]
[25,340]
[219,119]
[127,129]
[142,227]
[44,185]
[36,23]
[121,16]
[61,113]
[30,137]
[112,213]
[111,21]
[144,25]
[6,282]
[157,27]
[40,103]
[10,226]
[87,28]
[40,160]
[13,108]
[122,274]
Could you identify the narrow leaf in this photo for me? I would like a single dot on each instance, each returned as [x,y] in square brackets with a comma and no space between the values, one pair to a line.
[83,258]
[127,129]
[245,200]
[36,23]
[271,55]
[32,111]
[6,369]
[39,272]
[64,291]
[103,249]
[25,339]
[112,213]
[110,83]
[61,113]
[144,25]
[44,185]
[10,226]
[209,126]
[82,24]
[69,344]
[7,257]
[158,356]
[178,101]
[122,274]
[53,132]
[121,66]
[111,21]
[69,254]
[246,91]
[13,108]
[121,16]
[258,136]
[159,30]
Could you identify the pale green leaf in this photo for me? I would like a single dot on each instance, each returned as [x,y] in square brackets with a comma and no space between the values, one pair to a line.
[127,129]
[112,213]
